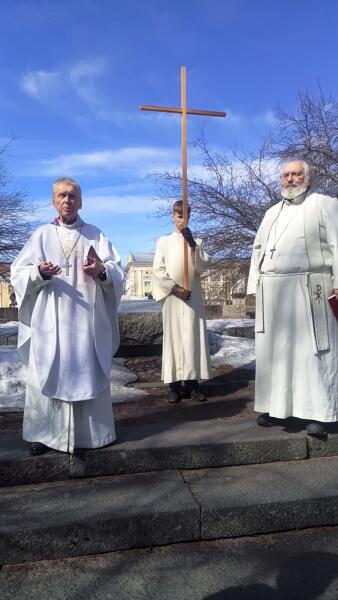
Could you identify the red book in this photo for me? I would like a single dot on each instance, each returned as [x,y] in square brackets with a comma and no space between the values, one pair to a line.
[333,302]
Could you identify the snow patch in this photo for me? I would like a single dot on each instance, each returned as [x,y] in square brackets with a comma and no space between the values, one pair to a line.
[224,349]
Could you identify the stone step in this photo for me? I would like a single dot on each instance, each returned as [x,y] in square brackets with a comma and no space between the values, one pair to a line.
[162,445]
[297,565]
[88,516]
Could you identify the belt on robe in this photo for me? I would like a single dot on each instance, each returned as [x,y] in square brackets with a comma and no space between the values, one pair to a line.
[316,305]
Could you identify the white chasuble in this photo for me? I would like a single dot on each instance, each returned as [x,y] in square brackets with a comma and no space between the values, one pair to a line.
[185,343]
[294,268]
[68,334]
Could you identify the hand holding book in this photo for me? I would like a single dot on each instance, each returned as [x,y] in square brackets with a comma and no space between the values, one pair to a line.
[93,264]
[333,302]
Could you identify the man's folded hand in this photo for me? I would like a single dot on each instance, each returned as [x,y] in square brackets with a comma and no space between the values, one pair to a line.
[180,292]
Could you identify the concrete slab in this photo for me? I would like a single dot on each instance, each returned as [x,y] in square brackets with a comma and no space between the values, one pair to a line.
[70,518]
[190,445]
[18,467]
[161,445]
[323,447]
[300,565]
[237,501]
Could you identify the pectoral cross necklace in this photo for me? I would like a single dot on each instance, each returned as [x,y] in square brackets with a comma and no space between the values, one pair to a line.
[67,264]
[273,249]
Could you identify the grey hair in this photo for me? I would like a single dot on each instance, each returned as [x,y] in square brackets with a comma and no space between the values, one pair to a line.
[306,167]
[68,180]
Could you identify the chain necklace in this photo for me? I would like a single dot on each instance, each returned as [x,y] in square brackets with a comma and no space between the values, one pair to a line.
[67,264]
[273,249]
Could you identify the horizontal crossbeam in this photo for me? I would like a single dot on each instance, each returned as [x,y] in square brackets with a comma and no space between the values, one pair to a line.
[190,111]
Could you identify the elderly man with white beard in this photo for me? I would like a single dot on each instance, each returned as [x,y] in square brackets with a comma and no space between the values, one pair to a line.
[294,269]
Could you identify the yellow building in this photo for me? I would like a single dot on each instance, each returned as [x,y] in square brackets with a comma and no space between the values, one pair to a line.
[225,281]
[5,286]
[139,274]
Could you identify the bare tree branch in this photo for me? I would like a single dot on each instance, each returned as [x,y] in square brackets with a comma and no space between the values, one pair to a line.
[15,212]
[229,203]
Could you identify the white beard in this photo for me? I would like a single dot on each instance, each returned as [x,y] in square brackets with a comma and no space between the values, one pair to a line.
[290,193]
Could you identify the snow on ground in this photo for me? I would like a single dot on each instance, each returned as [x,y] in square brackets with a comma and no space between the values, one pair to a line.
[13,378]
[120,376]
[221,325]
[225,349]
[9,328]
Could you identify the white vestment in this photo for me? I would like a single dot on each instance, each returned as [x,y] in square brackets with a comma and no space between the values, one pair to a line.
[185,343]
[68,333]
[296,331]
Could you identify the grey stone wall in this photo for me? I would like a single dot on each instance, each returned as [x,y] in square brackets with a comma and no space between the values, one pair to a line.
[140,329]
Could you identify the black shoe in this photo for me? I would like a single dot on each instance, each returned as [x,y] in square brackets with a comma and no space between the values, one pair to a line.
[173,397]
[198,396]
[265,420]
[316,429]
[37,448]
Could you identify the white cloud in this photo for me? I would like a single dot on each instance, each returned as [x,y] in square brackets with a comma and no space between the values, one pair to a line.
[78,78]
[41,84]
[140,160]
[83,74]
[267,118]
[87,69]
[122,204]
[233,117]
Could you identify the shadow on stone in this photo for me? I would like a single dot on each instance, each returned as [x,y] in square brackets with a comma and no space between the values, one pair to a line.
[303,576]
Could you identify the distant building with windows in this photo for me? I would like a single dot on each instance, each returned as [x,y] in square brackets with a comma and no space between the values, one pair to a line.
[225,282]
[7,297]
[139,274]
[223,285]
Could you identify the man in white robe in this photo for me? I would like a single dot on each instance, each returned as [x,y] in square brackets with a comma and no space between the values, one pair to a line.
[68,285]
[294,269]
[185,356]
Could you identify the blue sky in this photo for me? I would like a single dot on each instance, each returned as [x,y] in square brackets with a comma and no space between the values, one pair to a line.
[73,73]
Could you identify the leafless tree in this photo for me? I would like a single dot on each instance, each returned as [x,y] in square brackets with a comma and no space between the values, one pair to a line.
[230,201]
[311,134]
[15,212]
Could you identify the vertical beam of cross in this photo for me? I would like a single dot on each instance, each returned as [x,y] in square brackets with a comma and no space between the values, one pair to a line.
[184,172]
[184,111]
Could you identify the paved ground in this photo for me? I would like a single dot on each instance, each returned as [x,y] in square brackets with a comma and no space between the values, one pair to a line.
[301,565]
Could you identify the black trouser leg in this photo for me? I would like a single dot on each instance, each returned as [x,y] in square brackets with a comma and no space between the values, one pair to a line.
[175,386]
[191,385]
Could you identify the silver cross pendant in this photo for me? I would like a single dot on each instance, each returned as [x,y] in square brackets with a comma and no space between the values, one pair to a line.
[67,266]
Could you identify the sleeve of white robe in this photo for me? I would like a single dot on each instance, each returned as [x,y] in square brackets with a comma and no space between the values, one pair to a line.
[201,260]
[111,260]
[162,283]
[329,209]
[254,270]
[27,282]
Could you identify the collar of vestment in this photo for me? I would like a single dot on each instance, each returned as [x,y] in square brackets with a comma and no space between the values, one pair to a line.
[78,223]
[298,199]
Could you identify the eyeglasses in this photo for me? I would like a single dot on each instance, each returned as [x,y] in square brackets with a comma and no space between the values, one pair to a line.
[292,174]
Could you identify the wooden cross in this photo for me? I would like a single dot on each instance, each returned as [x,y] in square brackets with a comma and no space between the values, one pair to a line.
[184,111]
